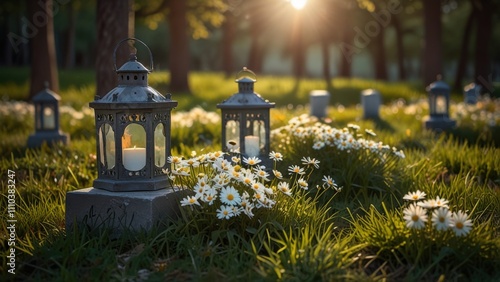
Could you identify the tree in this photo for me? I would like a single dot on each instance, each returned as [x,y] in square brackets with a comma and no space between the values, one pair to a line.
[432,57]
[484,30]
[184,17]
[114,23]
[43,53]
[464,51]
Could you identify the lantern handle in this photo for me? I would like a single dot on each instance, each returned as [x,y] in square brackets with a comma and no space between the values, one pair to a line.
[137,40]
[248,71]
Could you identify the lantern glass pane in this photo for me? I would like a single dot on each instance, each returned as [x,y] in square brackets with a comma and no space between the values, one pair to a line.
[107,146]
[233,135]
[259,130]
[160,141]
[440,105]
[49,119]
[134,147]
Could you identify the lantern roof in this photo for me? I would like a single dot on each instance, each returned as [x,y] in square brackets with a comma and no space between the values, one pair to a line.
[246,97]
[46,95]
[438,86]
[132,65]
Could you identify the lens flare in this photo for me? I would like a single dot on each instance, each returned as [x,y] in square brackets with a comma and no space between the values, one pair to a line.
[298,4]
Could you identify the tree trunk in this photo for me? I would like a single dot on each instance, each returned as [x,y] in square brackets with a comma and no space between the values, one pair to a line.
[400,47]
[43,53]
[112,26]
[325,50]
[346,38]
[464,51]
[298,48]
[379,58]
[179,58]
[433,62]
[256,55]
[69,58]
[484,29]
[228,33]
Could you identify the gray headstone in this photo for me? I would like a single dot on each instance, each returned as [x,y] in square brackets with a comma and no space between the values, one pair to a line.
[370,101]
[319,101]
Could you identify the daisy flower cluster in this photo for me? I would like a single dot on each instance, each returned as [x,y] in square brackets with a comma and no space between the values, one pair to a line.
[347,139]
[197,114]
[436,212]
[230,186]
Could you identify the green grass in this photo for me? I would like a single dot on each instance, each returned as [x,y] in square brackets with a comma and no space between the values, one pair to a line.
[358,234]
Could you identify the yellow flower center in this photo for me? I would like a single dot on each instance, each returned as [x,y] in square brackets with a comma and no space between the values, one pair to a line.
[441,219]
[414,217]
[415,197]
[230,197]
[459,225]
[192,200]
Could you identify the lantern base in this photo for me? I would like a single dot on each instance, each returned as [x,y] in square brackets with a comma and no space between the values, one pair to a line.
[49,137]
[132,185]
[121,211]
[439,124]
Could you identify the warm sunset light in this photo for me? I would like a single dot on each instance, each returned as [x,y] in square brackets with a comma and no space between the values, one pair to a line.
[298,4]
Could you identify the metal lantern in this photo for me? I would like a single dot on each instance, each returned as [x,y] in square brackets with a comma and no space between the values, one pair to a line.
[439,99]
[246,120]
[439,104]
[133,124]
[46,104]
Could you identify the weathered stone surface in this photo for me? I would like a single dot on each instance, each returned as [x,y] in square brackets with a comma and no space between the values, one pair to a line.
[96,208]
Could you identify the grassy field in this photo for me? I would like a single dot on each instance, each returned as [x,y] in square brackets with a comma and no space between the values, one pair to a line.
[356,233]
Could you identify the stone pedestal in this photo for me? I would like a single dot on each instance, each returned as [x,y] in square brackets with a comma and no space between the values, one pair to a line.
[96,208]
[319,101]
[50,137]
[439,124]
[370,101]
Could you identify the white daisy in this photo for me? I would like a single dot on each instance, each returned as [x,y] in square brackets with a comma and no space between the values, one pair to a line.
[230,196]
[283,187]
[189,201]
[224,212]
[251,160]
[441,218]
[415,216]
[303,184]
[414,196]
[460,223]
[277,174]
[328,182]
[275,156]
[309,161]
[296,169]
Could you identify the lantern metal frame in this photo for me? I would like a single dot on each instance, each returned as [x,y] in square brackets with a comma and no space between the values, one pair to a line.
[248,114]
[46,104]
[133,103]
[439,99]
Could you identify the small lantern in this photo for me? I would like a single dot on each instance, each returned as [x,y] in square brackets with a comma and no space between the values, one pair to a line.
[439,99]
[46,104]
[246,120]
[439,104]
[132,131]
[471,93]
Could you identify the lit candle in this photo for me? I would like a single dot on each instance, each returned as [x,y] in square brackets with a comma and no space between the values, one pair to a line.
[49,120]
[252,145]
[134,159]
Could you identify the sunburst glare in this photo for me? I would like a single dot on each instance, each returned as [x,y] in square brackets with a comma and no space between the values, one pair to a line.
[298,4]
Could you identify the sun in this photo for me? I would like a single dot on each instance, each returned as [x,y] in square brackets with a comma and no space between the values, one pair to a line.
[298,4]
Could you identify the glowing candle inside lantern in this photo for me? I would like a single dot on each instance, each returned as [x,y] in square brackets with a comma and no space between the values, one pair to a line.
[134,158]
[252,145]
[49,120]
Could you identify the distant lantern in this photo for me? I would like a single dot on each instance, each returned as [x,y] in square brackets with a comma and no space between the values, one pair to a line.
[246,120]
[46,103]
[439,104]
[133,124]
